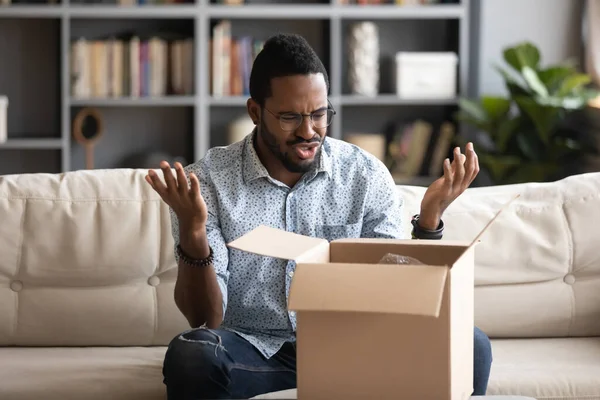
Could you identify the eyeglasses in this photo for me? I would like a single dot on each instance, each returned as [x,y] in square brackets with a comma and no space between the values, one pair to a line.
[291,121]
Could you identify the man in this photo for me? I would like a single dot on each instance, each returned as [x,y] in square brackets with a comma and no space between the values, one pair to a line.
[286,174]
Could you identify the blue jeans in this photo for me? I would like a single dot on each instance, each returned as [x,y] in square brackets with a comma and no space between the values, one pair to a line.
[218,364]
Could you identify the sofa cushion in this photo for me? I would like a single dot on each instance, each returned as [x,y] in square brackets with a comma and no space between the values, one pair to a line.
[537,268]
[87,259]
[82,373]
[547,369]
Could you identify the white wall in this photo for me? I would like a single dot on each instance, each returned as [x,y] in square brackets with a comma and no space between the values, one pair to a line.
[553,25]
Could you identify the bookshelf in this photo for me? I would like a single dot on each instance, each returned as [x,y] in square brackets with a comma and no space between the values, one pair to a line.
[42,107]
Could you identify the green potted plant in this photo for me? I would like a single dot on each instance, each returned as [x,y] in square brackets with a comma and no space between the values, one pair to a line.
[531,133]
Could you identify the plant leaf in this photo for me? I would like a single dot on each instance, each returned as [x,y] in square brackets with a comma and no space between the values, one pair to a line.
[505,132]
[553,77]
[543,118]
[525,54]
[534,82]
[530,145]
[515,88]
[496,107]
[573,83]
[473,109]
[498,165]
[531,172]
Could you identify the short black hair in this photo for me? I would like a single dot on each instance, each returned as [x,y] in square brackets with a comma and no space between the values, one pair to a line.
[283,54]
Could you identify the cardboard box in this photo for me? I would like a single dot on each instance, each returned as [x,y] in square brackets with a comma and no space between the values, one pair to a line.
[378,331]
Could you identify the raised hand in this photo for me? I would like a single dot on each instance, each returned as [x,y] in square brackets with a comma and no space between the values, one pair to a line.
[457,177]
[185,199]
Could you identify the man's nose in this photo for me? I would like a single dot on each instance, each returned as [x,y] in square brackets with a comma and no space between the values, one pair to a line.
[305,130]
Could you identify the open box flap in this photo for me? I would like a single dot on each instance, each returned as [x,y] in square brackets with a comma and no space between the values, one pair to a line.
[491,221]
[384,288]
[277,243]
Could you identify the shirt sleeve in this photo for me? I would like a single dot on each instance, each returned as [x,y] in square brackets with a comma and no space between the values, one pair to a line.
[213,229]
[383,207]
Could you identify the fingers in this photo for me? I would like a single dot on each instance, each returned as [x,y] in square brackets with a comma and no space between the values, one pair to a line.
[168,176]
[471,167]
[448,174]
[458,167]
[182,181]
[195,186]
[154,180]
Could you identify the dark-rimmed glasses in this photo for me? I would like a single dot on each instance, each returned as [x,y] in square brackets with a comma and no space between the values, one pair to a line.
[291,121]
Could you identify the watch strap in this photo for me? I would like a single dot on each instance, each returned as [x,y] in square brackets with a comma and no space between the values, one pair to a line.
[419,233]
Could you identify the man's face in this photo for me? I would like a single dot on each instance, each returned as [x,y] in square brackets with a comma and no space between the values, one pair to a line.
[294,141]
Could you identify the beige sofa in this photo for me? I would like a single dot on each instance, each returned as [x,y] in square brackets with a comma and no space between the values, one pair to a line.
[87,275]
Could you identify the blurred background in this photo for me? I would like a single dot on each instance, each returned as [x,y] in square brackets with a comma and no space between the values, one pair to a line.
[95,84]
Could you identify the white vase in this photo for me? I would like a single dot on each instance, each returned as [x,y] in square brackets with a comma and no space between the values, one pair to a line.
[363,59]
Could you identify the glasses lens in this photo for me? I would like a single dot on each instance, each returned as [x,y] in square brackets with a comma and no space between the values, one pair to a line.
[322,119]
[290,122]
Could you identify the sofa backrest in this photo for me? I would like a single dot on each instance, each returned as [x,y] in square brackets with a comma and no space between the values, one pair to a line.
[537,270]
[86,258]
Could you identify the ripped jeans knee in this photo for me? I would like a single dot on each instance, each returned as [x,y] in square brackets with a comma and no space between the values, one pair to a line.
[195,355]
[201,337]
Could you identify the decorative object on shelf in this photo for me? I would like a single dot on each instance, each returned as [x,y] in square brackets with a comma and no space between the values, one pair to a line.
[533,134]
[239,128]
[87,130]
[3,119]
[152,160]
[373,143]
[363,59]
[408,148]
[426,75]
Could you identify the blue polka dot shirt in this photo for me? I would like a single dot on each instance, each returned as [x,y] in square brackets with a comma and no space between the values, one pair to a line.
[350,194]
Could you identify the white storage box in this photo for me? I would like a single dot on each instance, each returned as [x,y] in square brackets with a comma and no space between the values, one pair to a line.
[426,75]
[3,118]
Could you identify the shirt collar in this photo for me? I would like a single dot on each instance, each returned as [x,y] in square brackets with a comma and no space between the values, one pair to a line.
[254,169]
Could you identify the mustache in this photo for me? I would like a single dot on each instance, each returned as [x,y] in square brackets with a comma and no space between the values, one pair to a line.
[315,138]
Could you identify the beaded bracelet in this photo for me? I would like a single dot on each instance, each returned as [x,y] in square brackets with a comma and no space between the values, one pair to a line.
[203,262]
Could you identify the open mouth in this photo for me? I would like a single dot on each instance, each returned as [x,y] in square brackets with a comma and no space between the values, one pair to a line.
[306,151]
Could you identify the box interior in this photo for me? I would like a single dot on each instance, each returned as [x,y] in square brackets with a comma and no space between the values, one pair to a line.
[370,252]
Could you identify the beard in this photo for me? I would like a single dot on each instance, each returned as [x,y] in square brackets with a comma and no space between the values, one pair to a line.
[294,166]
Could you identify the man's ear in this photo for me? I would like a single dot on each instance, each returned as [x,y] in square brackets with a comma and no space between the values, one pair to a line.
[253,110]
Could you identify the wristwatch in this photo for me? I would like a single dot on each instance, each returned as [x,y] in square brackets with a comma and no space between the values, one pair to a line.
[193,262]
[420,233]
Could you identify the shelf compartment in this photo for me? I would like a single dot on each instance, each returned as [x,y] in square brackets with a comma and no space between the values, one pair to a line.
[411,35]
[316,32]
[127,133]
[29,161]
[221,119]
[31,79]
[390,120]
[95,42]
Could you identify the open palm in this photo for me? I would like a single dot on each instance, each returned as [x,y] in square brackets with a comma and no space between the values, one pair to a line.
[457,177]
